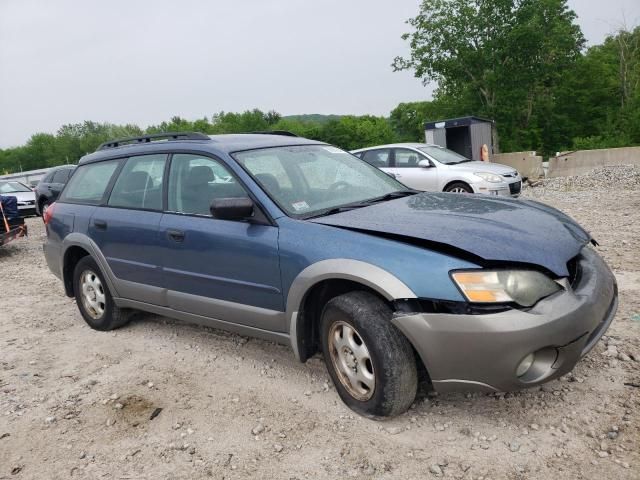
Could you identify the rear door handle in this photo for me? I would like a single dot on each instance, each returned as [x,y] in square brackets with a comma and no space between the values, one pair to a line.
[176,235]
[100,224]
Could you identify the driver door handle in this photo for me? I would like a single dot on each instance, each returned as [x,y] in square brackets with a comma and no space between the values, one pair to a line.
[176,235]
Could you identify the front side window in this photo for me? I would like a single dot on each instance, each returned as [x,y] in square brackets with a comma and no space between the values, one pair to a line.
[89,183]
[195,181]
[405,158]
[306,180]
[139,184]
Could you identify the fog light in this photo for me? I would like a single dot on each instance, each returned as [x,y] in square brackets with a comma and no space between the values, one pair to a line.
[525,365]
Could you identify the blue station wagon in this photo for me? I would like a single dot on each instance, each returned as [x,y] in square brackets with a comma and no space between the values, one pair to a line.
[299,242]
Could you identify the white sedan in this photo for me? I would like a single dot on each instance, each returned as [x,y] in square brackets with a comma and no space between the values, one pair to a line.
[25,196]
[433,168]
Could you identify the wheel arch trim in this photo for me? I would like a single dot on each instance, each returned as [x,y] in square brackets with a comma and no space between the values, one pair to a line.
[379,280]
[76,239]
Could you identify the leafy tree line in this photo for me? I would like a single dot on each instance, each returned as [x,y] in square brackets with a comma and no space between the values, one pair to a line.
[523,64]
[73,141]
[520,62]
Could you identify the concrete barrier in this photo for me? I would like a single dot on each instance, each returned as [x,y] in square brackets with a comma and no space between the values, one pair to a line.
[528,164]
[583,161]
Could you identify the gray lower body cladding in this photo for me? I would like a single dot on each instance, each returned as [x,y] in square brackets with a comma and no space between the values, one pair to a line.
[483,352]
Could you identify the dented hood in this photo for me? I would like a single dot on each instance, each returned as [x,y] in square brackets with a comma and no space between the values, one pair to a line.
[494,229]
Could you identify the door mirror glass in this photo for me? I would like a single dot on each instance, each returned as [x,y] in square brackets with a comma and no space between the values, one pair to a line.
[232,208]
[425,164]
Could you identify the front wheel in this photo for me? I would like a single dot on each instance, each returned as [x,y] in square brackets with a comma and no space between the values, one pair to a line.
[458,187]
[370,362]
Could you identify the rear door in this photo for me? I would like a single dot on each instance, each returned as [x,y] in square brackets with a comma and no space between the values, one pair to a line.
[222,269]
[379,158]
[406,170]
[126,228]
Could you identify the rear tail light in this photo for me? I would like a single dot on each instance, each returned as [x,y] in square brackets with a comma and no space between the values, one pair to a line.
[47,215]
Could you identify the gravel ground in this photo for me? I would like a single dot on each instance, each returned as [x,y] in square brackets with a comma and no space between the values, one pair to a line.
[78,403]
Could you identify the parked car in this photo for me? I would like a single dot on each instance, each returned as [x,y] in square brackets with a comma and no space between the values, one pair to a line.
[296,241]
[12,225]
[433,168]
[25,196]
[49,188]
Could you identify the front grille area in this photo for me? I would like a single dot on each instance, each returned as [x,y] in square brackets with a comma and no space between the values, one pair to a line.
[510,175]
[515,187]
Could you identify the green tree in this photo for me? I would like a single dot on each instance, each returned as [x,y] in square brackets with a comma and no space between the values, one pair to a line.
[498,58]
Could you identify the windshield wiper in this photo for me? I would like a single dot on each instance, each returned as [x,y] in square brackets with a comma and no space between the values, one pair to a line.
[363,203]
[389,196]
[334,210]
[461,161]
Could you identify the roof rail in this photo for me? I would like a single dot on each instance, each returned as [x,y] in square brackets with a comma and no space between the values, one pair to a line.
[153,137]
[277,132]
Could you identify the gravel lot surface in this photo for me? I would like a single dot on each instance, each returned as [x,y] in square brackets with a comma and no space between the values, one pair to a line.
[76,403]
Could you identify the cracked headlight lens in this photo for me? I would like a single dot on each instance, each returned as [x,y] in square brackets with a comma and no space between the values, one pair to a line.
[524,287]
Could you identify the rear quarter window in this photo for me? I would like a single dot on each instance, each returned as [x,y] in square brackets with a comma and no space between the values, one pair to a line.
[89,182]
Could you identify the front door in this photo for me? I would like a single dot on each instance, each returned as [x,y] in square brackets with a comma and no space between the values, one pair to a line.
[406,170]
[227,270]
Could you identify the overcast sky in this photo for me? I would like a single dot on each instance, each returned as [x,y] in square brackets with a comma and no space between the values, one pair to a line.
[126,61]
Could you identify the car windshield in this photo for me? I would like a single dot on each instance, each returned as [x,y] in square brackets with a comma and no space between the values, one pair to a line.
[13,187]
[313,180]
[444,155]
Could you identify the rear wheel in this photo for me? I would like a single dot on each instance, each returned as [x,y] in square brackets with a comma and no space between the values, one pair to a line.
[94,299]
[458,187]
[370,362]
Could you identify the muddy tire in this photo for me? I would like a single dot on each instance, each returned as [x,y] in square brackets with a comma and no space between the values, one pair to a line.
[371,363]
[94,298]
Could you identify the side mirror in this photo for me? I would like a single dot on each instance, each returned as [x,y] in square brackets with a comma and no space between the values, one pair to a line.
[231,208]
[425,164]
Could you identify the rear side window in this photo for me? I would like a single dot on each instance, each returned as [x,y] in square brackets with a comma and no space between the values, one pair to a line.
[90,182]
[139,184]
[61,176]
[377,158]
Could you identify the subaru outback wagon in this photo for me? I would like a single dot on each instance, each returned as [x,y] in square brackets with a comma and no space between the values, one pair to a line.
[299,242]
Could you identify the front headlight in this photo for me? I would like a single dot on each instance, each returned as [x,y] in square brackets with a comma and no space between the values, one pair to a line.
[524,287]
[489,177]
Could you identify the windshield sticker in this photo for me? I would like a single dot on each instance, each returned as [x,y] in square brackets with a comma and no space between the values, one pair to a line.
[333,150]
[297,206]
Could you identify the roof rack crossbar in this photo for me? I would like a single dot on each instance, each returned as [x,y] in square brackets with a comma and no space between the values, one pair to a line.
[276,132]
[153,137]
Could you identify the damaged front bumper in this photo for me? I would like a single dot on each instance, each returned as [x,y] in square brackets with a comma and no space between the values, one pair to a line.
[483,352]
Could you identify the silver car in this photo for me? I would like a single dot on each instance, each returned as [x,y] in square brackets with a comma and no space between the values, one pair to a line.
[432,168]
[26,197]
